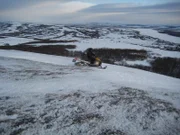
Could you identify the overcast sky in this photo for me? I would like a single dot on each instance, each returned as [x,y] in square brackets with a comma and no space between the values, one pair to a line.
[87,11]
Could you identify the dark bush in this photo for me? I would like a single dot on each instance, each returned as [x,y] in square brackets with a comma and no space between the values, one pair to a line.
[170,32]
[107,54]
[167,66]
[46,49]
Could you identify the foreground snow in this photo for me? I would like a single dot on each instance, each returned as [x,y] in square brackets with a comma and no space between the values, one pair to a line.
[44,94]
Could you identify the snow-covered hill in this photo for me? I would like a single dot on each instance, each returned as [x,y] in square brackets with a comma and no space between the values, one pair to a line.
[45,94]
[95,36]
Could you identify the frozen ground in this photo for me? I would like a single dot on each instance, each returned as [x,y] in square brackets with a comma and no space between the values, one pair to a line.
[43,94]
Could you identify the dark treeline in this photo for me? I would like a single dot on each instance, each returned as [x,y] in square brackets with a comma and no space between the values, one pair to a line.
[167,66]
[60,50]
[110,56]
[170,32]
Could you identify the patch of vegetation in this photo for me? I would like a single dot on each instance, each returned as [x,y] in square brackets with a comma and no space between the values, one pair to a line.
[112,132]
[24,120]
[167,66]
[108,55]
[50,49]
[170,32]
[86,117]
[17,131]
[92,34]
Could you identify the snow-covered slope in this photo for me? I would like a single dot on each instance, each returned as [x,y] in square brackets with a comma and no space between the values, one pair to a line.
[45,94]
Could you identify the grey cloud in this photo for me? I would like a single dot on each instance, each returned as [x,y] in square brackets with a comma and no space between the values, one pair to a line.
[13,4]
[114,8]
[170,18]
[157,14]
[136,18]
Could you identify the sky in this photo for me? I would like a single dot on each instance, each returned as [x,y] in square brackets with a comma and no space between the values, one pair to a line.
[166,12]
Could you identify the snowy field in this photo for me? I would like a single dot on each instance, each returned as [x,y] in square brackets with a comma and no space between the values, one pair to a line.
[48,95]
[44,94]
[94,36]
[156,34]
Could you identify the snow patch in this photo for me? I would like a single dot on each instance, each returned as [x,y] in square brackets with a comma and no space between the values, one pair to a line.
[14,40]
[8,117]
[139,62]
